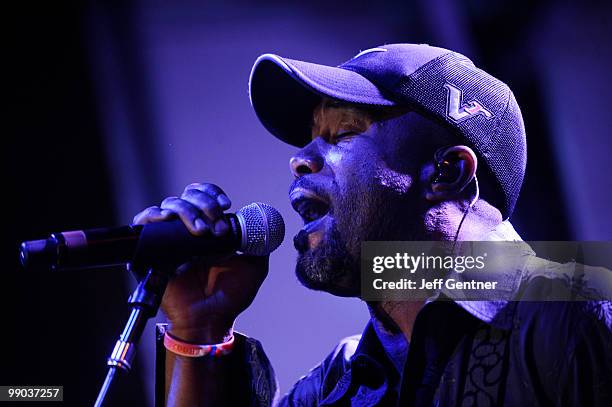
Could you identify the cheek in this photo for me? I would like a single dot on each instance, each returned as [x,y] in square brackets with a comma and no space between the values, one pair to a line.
[394,181]
[361,171]
[334,158]
[356,177]
[396,170]
[353,166]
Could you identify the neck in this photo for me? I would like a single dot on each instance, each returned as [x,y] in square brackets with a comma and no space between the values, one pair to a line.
[442,221]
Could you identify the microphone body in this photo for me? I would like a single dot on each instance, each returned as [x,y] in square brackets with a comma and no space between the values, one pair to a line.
[257,229]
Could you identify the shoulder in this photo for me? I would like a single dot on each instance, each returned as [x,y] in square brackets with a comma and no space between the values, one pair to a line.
[565,347]
[566,315]
[552,330]
[308,389]
[345,349]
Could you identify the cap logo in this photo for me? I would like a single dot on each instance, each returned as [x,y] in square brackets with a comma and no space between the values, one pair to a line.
[367,51]
[458,111]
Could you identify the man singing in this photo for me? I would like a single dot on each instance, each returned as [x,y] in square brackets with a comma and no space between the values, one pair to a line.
[402,142]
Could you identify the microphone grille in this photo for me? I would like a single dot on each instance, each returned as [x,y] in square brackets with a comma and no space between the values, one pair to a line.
[263,229]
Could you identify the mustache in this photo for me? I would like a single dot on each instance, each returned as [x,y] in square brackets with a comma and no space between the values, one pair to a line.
[310,185]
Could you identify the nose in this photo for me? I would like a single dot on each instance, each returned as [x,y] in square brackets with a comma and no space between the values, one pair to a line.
[306,161]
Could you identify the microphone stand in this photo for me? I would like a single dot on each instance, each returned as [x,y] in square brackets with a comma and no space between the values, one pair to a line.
[144,302]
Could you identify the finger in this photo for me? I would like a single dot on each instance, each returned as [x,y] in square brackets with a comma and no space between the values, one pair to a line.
[152,214]
[188,213]
[211,211]
[213,190]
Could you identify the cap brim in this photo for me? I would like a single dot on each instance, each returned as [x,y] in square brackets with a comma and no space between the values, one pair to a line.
[284,93]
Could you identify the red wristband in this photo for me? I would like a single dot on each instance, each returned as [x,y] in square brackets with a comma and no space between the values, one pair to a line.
[195,351]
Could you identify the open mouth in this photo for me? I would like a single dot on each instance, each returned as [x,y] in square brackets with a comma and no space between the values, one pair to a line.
[308,205]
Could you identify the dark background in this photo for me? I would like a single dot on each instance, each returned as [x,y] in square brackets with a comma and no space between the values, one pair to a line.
[114,105]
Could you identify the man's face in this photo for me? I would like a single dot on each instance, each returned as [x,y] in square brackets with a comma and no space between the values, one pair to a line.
[357,180]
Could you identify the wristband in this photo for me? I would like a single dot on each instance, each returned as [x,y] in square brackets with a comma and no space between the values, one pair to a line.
[195,351]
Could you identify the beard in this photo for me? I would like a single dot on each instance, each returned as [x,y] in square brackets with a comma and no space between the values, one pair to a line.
[333,265]
[329,266]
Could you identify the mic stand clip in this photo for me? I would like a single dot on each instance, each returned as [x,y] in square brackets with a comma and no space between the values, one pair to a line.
[144,303]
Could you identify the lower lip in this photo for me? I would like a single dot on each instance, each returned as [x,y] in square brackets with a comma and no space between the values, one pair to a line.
[314,225]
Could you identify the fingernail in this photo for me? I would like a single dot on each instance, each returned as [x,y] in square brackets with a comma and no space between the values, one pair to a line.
[224,201]
[199,224]
[220,227]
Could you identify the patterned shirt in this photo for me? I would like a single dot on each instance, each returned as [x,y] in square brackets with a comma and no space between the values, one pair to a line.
[462,353]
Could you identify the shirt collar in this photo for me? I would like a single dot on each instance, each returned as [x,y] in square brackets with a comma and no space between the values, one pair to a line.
[499,312]
[394,343]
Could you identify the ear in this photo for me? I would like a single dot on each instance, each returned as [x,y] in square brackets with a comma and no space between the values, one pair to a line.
[454,169]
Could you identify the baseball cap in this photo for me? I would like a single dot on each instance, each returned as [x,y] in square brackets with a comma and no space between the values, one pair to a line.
[440,84]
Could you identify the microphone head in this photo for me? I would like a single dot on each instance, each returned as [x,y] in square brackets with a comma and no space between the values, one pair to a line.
[262,227]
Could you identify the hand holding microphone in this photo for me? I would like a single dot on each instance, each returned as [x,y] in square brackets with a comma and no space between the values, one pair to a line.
[206,295]
[222,258]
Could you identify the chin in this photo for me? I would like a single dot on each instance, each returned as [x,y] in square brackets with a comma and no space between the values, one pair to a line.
[319,277]
[328,266]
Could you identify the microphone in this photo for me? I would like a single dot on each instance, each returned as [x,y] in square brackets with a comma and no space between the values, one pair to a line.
[256,229]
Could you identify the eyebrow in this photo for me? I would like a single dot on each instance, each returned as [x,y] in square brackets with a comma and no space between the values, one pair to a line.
[353,117]
[371,114]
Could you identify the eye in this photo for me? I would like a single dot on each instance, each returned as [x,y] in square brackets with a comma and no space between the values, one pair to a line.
[343,136]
